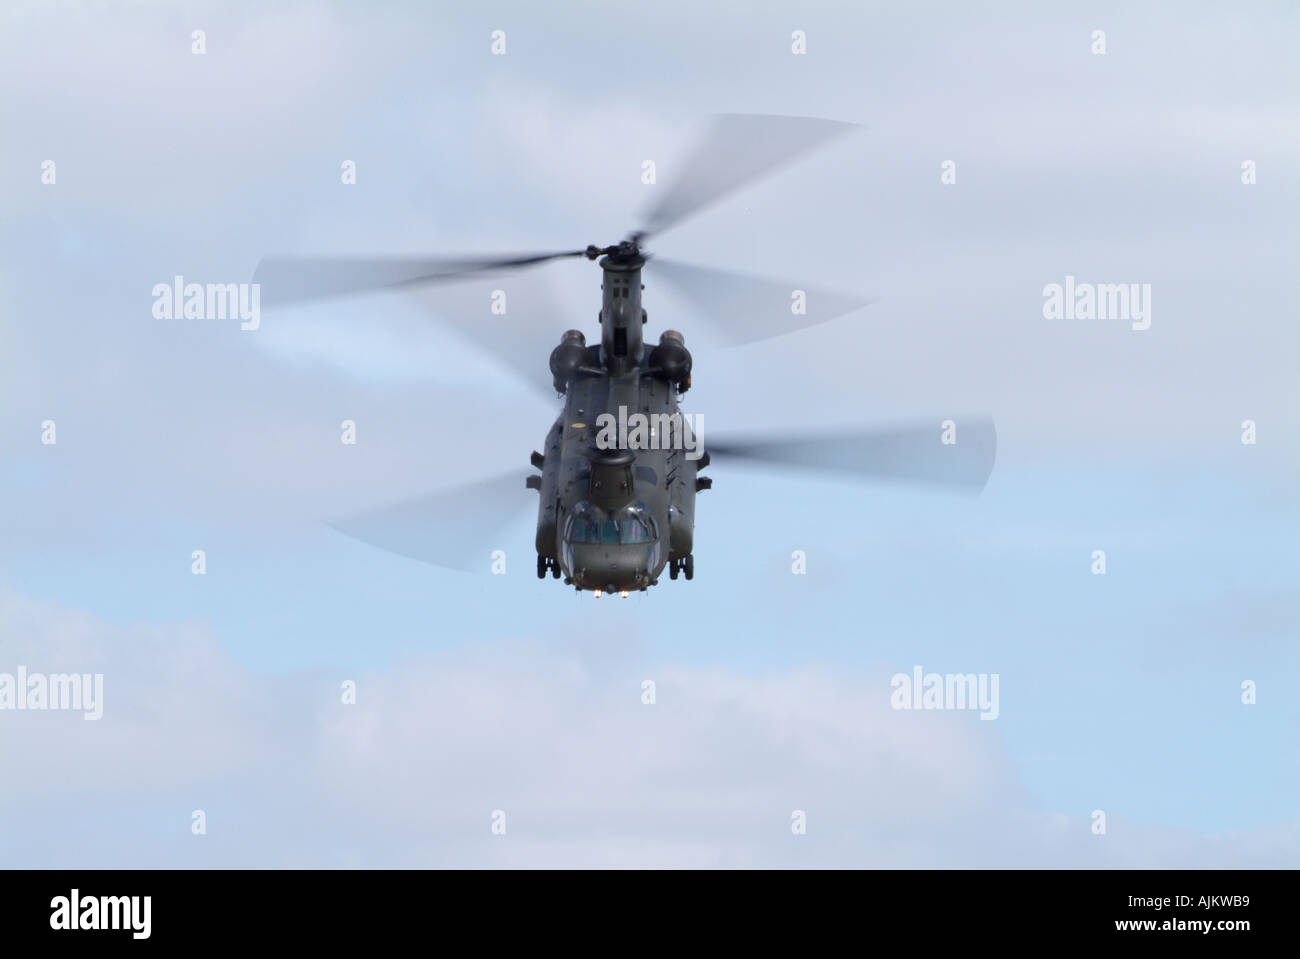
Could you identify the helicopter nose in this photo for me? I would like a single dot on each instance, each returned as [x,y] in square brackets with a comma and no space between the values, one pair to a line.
[609,568]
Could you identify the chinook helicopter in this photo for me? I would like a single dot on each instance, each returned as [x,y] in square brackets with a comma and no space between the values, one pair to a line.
[617,505]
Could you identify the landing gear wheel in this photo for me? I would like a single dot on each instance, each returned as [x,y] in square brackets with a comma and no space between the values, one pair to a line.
[555,570]
[688,566]
[672,568]
[541,567]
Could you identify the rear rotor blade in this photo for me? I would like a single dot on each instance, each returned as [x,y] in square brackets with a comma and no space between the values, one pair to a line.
[911,454]
[736,150]
[751,308]
[300,279]
[457,528]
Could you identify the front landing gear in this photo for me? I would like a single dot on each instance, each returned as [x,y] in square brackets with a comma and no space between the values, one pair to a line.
[684,565]
[543,564]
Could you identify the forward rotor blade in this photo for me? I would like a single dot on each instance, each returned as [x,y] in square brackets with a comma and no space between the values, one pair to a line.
[736,150]
[750,308]
[911,454]
[299,279]
[457,528]
[519,337]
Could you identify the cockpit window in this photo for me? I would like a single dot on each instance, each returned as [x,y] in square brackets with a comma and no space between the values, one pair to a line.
[586,527]
[584,530]
[633,531]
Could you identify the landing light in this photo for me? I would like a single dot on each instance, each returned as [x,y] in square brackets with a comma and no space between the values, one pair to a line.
[597,592]
[623,594]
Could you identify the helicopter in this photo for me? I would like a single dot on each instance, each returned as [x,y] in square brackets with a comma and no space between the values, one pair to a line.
[622,464]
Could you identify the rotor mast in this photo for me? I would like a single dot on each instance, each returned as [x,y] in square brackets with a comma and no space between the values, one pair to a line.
[621,316]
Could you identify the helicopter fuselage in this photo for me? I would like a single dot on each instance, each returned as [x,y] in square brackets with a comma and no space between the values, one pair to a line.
[617,506]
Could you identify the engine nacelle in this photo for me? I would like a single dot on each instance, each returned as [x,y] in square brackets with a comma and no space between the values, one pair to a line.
[673,359]
[567,358]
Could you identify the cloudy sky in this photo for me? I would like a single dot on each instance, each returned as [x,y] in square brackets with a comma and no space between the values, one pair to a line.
[1119,693]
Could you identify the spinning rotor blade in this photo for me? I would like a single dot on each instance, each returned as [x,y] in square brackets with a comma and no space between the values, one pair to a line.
[299,279]
[457,528]
[751,308]
[738,149]
[519,338]
[915,454]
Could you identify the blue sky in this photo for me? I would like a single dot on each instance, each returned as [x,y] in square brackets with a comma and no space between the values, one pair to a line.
[1118,692]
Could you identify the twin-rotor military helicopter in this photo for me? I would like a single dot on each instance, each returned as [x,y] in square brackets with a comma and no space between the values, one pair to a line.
[613,516]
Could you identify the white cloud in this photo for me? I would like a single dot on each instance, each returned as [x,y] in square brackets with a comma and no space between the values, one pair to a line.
[585,772]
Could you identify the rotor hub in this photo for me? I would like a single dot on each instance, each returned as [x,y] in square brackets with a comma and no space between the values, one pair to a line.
[628,252]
